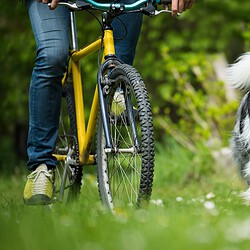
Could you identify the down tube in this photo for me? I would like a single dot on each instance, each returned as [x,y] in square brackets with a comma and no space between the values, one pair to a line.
[80,118]
[91,129]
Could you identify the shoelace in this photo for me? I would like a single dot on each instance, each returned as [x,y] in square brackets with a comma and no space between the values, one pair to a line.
[40,177]
[118,103]
[119,98]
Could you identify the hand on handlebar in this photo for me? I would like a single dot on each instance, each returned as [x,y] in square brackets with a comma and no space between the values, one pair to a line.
[53,3]
[178,6]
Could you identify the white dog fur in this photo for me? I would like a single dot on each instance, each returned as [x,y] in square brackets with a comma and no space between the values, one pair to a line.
[238,75]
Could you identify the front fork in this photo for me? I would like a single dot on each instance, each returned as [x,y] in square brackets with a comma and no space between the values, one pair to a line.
[103,85]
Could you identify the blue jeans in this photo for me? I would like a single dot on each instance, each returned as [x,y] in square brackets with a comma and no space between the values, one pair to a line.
[50,30]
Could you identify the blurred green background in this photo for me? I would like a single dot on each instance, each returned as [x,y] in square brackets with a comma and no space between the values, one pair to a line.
[196,199]
[180,59]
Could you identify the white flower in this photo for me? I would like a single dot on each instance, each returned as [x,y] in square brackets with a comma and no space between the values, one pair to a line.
[210,195]
[179,199]
[157,202]
[210,205]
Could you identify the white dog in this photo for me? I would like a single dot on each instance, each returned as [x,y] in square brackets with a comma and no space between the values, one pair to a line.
[238,75]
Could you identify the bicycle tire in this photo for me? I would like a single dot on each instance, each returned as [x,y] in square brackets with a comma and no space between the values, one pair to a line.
[67,139]
[136,167]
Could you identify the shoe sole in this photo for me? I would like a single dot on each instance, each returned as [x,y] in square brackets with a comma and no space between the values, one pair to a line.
[38,199]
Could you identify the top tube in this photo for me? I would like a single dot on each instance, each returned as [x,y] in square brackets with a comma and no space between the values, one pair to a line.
[128,7]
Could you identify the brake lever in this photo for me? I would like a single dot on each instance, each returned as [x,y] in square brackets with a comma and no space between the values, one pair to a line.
[74,6]
[156,12]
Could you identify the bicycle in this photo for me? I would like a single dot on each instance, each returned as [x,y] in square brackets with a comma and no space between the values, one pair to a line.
[125,137]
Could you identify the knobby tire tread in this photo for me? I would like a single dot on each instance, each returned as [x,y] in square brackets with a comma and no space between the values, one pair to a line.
[147,133]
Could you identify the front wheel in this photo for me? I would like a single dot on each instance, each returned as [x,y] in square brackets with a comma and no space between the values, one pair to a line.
[125,174]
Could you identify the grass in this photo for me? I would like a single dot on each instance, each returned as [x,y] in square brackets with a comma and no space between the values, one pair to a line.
[192,207]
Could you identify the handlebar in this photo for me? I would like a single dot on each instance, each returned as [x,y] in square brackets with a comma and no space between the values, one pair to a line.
[138,6]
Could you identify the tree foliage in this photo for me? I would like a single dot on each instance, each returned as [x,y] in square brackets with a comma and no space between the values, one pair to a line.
[190,101]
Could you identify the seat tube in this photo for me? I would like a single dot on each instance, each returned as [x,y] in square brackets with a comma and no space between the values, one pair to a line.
[73,31]
[79,103]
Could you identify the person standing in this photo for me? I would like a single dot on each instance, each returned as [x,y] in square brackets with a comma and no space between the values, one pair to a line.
[50,28]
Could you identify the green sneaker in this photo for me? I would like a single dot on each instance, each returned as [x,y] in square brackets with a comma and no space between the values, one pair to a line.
[118,108]
[39,187]
[118,103]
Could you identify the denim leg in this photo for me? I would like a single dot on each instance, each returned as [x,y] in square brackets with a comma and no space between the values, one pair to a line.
[50,30]
[126,38]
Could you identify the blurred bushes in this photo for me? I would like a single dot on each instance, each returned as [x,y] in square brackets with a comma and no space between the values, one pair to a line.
[190,102]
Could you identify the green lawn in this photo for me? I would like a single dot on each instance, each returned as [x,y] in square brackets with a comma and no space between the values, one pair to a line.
[187,211]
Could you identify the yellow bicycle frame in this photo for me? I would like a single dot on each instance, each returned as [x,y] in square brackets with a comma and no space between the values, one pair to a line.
[86,134]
